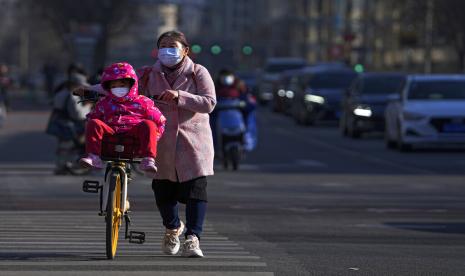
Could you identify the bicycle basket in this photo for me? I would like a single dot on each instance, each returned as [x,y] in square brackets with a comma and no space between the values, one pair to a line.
[120,146]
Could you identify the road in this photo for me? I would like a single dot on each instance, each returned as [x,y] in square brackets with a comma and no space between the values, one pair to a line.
[306,202]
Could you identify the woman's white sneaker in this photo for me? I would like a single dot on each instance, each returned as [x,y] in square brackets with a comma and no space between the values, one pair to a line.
[191,247]
[171,244]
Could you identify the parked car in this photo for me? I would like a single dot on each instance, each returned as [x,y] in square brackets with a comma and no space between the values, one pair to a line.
[320,94]
[429,110]
[365,101]
[270,77]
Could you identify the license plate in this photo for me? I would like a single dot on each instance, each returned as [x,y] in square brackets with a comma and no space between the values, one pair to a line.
[453,128]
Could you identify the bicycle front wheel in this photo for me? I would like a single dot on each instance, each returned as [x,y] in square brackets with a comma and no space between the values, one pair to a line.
[114,214]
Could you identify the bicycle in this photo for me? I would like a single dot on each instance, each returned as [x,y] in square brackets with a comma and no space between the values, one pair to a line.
[120,152]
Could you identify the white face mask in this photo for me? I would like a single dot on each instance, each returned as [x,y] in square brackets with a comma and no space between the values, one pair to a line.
[170,56]
[120,91]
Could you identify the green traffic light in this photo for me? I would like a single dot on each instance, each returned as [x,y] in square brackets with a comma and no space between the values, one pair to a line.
[215,49]
[247,50]
[196,49]
[359,68]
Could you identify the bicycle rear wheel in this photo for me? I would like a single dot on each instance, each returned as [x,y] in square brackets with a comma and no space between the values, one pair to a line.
[114,214]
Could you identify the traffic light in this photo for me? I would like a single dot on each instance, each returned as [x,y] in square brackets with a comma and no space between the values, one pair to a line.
[215,49]
[247,50]
[359,68]
[196,49]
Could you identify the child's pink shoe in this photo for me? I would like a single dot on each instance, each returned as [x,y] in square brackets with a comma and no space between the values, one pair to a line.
[91,161]
[147,165]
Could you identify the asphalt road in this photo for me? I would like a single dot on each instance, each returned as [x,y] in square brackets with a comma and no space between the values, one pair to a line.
[306,202]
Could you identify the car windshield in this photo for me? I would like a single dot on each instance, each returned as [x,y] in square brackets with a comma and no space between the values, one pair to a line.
[332,80]
[381,85]
[437,90]
[280,67]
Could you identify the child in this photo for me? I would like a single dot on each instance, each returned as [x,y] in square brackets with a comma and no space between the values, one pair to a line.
[123,110]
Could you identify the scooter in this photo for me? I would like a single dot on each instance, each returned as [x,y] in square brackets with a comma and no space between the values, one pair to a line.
[230,131]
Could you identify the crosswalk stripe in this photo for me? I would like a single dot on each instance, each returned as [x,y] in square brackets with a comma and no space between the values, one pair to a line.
[51,240]
[47,236]
[169,262]
[135,273]
[119,253]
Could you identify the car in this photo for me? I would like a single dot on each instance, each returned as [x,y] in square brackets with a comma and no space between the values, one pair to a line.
[365,101]
[284,92]
[270,77]
[428,110]
[320,94]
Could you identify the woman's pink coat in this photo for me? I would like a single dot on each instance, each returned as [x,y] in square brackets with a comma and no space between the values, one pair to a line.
[185,151]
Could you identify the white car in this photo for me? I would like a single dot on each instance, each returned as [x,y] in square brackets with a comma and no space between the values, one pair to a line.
[429,110]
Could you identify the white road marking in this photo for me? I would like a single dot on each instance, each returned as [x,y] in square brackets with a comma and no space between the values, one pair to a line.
[44,240]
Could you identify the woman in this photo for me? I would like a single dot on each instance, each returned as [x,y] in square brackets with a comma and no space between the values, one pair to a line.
[185,94]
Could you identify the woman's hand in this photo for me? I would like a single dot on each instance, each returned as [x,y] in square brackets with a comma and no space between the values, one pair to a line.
[169,95]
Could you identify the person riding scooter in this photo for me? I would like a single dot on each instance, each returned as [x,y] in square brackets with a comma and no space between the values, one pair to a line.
[233,121]
[67,123]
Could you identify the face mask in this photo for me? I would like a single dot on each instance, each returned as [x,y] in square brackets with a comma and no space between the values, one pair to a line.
[120,91]
[170,56]
[228,80]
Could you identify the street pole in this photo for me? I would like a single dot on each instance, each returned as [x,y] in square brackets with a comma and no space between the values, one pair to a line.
[429,36]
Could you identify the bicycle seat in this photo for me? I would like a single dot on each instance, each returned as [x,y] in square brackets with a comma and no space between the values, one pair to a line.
[120,148]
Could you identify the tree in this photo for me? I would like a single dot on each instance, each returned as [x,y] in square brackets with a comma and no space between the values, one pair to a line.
[450,23]
[108,17]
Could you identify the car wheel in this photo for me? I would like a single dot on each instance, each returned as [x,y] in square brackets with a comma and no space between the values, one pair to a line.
[343,125]
[306,120]
[390,144]
[352,130]
[404,147]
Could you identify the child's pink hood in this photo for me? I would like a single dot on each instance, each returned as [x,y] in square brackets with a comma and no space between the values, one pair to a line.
[121,70]
[122,113]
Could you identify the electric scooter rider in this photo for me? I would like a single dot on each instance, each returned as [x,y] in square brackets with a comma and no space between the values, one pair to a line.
[70,147]
[231,89]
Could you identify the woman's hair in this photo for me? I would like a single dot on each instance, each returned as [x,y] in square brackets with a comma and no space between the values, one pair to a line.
[178,36]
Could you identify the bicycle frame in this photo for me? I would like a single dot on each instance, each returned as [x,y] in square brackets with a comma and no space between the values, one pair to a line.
[115,210]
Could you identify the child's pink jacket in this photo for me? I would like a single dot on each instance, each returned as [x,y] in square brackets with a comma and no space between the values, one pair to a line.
[123,113]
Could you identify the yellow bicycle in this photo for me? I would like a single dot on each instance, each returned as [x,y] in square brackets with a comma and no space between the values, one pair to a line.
[118,151]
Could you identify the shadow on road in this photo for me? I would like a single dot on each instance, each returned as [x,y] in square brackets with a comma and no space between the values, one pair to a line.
[25,256]
[434,227]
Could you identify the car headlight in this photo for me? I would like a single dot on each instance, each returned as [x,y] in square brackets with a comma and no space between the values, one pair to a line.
[281,93]
[363,111]
[314,99]
[412,116]
[289,94]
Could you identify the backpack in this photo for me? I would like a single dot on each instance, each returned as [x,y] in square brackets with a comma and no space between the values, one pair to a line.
[60,123]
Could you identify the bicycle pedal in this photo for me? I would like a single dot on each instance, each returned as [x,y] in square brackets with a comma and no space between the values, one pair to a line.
[91,186]
[136,237]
